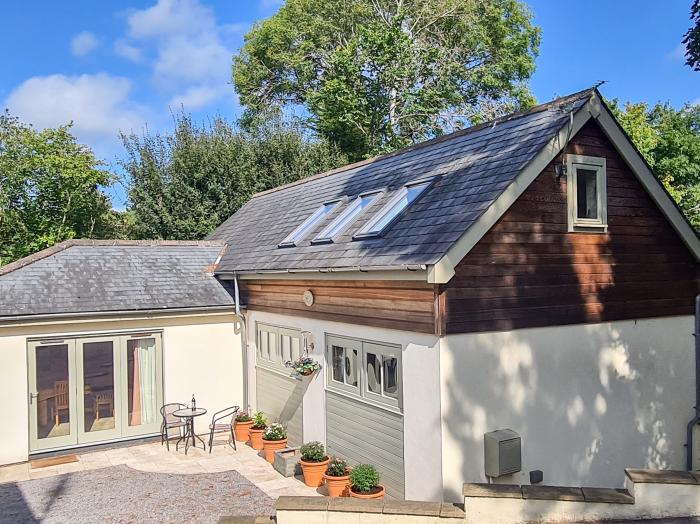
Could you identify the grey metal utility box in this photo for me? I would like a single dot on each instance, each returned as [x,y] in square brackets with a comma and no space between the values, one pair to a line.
[501,453]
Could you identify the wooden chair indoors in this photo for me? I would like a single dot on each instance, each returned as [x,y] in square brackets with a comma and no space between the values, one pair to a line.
[60,400]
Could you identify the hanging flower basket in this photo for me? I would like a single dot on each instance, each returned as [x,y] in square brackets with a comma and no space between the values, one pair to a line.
[303,367]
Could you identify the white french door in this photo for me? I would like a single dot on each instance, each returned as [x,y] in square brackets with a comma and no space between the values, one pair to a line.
[94,389]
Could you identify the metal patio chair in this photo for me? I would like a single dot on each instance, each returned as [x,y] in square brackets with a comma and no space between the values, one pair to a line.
[170,422]
[226,413]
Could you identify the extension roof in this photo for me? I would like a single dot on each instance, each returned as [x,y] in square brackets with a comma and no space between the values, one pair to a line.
[108,276]
[477,174]
[472,168]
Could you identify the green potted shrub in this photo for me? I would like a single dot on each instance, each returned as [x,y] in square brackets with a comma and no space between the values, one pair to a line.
[274,437]
[256,430]
[364,483]
[241,427]
[337,477]
[313,463]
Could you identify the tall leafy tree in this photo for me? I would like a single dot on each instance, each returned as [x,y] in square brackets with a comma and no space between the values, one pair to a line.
[691,40]
[669,139]
[51,189]
[376,75]
[184,184]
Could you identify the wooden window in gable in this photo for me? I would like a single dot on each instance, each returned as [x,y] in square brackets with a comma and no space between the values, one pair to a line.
[586,193]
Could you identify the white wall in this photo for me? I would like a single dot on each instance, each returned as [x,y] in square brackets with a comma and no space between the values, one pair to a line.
[421,393]
[201,355]
[588,400]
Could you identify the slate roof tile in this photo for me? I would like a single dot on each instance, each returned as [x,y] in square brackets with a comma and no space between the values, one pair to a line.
[473,167]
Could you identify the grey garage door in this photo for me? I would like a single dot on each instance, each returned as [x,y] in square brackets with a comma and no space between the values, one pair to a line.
[280,398]
[278,394]
[365,434]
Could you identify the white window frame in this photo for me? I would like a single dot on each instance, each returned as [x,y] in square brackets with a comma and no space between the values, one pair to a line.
[277,332]
[362,392]
[325,236]
[591,163]
[369,231]
[308,225]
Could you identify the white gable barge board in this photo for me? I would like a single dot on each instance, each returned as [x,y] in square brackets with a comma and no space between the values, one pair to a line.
[595,108]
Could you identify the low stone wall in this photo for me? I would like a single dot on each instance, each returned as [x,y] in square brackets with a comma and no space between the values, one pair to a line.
[648,494]
[321,510]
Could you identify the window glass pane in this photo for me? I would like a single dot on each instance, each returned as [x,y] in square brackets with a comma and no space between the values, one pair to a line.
[374,373]
[141,381]
[337,355]
[406,196]
[98,393]
[586,193]
[52,383]
[347,216]
[296,351]
[351,368]
[310,223]
[286,341]
[272,345]
[391,377]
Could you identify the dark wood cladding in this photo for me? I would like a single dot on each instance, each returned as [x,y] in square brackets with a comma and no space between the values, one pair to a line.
[405,305]
[528,271]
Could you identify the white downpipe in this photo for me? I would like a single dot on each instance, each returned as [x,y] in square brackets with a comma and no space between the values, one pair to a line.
[244,341]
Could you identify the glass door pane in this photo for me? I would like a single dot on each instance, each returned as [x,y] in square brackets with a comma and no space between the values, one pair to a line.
[98,397]
[142,385]
[52,399]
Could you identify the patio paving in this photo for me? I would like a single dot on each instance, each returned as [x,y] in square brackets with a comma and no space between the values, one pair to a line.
[145,483]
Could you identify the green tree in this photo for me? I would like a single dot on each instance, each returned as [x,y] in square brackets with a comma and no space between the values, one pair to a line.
[691,40]
[184,184]
[376,75]
[50,189]
[669,139]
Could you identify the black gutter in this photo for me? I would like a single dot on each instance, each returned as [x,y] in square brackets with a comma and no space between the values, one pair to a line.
[696,420]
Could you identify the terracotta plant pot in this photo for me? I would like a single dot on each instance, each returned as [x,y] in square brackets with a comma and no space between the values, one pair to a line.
[337,486]
[256,440]
[271,446]
[378,495]
[313,472]
[242,430]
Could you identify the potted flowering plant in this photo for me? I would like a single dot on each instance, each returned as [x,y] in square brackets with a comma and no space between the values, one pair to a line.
[256,430]
[364,483]
[313,463]
[337,477]
[274,438]
[303,366]
[241,427]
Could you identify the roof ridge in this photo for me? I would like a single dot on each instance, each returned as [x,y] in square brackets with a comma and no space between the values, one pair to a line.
[511,116]
[66,244]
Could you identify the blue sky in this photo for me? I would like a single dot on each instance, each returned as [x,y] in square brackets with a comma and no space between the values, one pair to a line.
[112,66]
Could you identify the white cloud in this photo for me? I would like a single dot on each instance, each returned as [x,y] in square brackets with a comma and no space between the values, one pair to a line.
[84,43]
[128,51]
[196,97]
[270,4]
[192,51]
[678,53]
[98,105]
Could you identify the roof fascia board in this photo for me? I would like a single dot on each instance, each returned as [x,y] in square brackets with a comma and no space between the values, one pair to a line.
[653,186]
[91,316]
[357,274]
[444,269]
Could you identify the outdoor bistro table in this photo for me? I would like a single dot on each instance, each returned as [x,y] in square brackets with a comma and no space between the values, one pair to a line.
[188,414]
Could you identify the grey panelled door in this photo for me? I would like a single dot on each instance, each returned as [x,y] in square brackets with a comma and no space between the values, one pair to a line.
[280,398]
[365,434]
[277,394]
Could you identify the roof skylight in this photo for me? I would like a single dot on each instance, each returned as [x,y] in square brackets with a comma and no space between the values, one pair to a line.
[384,218]
[361,203]
[308,224]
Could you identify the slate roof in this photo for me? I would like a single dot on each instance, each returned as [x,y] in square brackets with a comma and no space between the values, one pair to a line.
[472,168]
[81,276]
